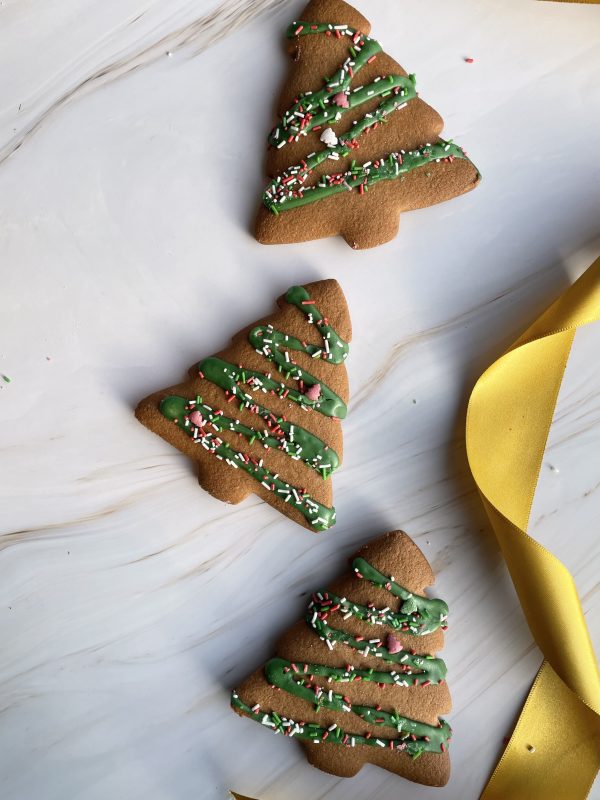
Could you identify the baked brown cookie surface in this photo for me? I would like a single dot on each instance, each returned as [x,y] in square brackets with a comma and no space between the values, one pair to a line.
[354,145]
[263,416]
[358,680]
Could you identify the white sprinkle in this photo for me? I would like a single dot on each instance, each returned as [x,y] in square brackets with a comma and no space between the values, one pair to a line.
[329,138]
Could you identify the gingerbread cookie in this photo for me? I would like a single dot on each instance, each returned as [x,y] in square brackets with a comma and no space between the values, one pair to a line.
[354,144]
[358,680]
[263,415]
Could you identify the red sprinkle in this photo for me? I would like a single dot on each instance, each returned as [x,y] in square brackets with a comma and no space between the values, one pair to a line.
[298,30]
[370,60]
[469,60]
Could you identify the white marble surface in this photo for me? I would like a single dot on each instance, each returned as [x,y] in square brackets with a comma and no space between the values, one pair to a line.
[130,601]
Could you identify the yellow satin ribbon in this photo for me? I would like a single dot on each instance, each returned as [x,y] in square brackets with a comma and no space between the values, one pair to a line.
[554,752]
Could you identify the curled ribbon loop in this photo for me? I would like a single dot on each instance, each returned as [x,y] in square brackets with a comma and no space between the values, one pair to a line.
[554,751]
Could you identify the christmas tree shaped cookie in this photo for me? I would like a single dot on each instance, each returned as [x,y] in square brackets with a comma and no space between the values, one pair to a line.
[354,145]
[358,680]
[263,415]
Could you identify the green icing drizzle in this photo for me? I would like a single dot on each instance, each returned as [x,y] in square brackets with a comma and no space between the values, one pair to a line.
[279,434]
[280,197]
[434,739]
[414,737]
[428,669]
[418,615]
[313,110]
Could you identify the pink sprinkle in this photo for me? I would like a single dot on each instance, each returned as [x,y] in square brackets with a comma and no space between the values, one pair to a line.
[196,418]
[392,644]
[341,100]
[469,60]
[313,392]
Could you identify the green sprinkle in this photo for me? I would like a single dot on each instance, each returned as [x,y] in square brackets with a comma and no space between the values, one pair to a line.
[6,379]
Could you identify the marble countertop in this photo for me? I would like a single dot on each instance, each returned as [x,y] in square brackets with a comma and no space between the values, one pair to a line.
[131,142]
